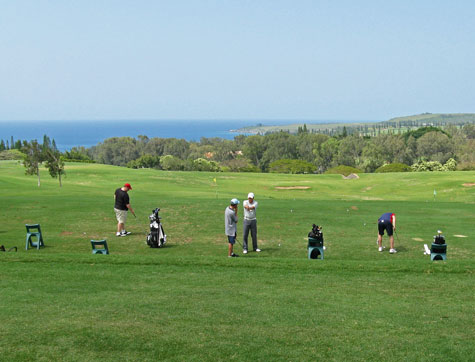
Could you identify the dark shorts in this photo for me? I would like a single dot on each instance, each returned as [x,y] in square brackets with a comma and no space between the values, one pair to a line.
[231,239]
[385,226]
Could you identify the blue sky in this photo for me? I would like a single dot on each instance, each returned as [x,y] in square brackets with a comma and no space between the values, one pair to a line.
[253,60]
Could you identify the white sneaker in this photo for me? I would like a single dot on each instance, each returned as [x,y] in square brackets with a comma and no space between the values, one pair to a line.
[380,248]
[258,250]
[244,251]
[117,234]
[392,251]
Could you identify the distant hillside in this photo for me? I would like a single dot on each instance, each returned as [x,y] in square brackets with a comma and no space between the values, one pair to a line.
[294,128]
[394,125]
[435,119]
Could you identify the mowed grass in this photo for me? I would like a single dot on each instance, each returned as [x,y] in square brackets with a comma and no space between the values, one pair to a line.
[189,302]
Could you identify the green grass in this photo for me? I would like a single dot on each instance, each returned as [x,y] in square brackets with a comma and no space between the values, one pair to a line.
[189,302]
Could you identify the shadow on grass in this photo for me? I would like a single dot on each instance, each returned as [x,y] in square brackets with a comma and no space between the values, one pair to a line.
[166,246]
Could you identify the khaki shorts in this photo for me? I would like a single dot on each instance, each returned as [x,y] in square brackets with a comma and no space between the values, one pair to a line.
[121,215]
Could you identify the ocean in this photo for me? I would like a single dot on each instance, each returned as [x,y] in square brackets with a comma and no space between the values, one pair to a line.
[68,134]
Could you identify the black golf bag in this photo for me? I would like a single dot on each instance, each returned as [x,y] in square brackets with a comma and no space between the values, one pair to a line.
[157,237]
[316,232]
[439,239]
[315,236]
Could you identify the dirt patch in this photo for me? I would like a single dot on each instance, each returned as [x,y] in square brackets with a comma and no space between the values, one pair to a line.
[354,208]
[460,236]
[469,184]
[186,240]
[64,233]
[292,187]
[417,239]
[350,176]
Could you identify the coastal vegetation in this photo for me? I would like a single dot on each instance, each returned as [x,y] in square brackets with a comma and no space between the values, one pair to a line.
[427,148]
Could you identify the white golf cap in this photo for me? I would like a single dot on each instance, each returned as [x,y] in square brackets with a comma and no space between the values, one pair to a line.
[234,202]
[250,195]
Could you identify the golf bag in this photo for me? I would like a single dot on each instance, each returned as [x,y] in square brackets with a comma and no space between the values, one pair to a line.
[316,232]
[315,237]
[439,239]
[157,237]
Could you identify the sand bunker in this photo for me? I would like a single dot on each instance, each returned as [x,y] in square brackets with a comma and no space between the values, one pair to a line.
[417,239]
[292,187]
[350,176]
[468,184]
[460,236]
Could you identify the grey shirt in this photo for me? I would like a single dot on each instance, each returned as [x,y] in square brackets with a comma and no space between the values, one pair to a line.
[230,221]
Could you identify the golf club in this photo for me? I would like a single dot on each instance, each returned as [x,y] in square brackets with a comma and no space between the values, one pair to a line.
[239,243]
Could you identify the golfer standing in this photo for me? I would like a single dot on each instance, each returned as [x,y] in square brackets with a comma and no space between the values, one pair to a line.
[230,225]
[250,223]
[387,222]
[122,205]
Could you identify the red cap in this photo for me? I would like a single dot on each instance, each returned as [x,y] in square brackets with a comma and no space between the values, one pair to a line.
[128,186]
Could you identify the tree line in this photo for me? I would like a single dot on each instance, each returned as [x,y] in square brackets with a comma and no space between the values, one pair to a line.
[426,148]
[284,152]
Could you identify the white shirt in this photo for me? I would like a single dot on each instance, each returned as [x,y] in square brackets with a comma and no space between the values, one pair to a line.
[249,214]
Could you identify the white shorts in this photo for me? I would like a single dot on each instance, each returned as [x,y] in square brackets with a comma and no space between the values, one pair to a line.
[121,215]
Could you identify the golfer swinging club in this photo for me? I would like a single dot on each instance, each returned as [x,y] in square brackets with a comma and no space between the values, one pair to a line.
[250,223]
[387,222]
[230,223]
[122,205]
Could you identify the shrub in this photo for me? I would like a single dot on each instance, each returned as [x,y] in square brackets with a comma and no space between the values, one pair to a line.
[13,154]
[239,165]
[200,164]
[450,165]
[343,170]
[77,154]
[291,166]
[171,163]
[145,161]
[394,167]
[466,166]
[423,165]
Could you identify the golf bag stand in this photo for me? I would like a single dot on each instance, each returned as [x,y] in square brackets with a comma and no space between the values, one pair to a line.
[438,249]
[157,237]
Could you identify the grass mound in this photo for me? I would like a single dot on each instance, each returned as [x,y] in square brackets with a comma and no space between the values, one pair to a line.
[343,170]
[394,167]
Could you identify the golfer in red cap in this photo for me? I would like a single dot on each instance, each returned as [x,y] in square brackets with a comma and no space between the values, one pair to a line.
[122,205]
